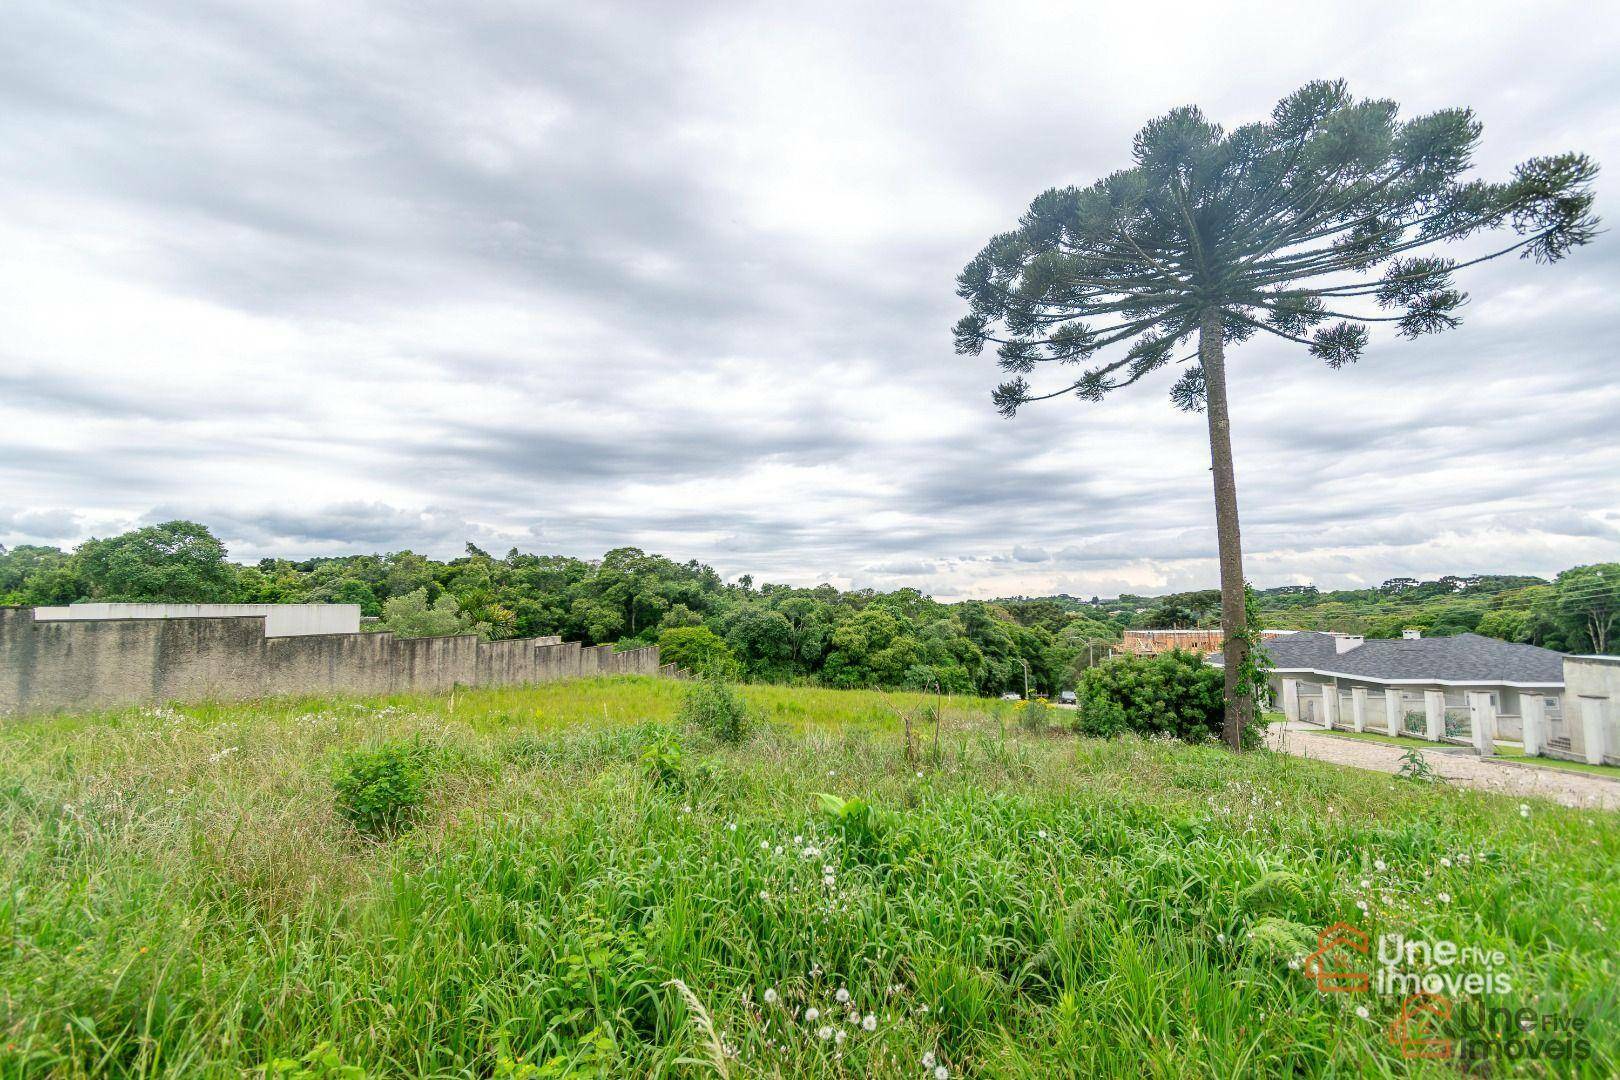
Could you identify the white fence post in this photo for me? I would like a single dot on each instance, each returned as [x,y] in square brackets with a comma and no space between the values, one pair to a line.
[1290,699]
[1592,727]
[1330,704]
[1533,712]
[1482,721]
[1358,707]
[1434,715]
[1394,711]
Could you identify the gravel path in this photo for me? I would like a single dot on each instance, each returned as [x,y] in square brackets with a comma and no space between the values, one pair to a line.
[1568,788]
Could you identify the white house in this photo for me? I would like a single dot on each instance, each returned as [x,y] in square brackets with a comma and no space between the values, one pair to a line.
[1465,689]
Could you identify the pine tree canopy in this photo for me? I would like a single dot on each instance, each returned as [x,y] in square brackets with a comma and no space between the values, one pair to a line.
[1310,226]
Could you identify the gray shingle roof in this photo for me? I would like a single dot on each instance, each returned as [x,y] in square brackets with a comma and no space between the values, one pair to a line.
[1460,658]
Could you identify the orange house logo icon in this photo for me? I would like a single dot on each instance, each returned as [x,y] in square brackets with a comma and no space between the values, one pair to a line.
[1336,966]
[1416,1031]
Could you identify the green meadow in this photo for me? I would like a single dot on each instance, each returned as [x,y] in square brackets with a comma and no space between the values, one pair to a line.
[592,887]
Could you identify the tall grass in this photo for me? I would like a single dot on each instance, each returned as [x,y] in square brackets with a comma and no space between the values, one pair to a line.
[178,896]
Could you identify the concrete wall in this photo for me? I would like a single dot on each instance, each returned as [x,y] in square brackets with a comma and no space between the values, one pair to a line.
[52,665]
[1592,707]
[280,620]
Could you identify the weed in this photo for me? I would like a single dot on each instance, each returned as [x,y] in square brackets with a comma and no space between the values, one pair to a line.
[715,707]
[1415,766]
[380,789]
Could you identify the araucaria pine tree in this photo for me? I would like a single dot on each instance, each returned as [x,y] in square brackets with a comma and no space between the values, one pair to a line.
[1310,226]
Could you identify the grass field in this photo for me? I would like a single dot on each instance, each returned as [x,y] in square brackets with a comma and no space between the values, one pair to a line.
[178,896]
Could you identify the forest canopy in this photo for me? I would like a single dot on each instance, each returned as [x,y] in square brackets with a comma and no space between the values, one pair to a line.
[844,638]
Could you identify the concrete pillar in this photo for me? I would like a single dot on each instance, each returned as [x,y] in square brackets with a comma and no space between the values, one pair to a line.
[1358,707]
[1290,699]
[1592,727]
[1330,704]
[1482,722]
[1394,711]
[1434,715]
[1533,711]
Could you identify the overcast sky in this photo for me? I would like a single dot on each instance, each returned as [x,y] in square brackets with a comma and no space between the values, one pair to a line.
[575,276]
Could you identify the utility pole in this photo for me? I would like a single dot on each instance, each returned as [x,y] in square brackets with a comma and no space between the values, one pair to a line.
[1021,660]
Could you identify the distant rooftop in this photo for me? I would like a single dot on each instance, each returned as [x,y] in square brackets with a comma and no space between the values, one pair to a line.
[1461,658]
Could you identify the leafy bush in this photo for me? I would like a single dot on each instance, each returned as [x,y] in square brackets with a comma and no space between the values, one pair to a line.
[380,789]
[410,615]
[1174,693]
[663,759]
[713,706]
[699,650]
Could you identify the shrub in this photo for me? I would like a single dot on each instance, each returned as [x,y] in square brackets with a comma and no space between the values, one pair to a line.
[1174,693]
[697,649]
[1034,716]
[663,760]
[715,707]
[380,789]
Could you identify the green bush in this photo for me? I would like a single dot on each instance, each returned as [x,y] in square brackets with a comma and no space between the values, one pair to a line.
[715,707]
[1174,693]
[380,789]
[699,650]
[663,759]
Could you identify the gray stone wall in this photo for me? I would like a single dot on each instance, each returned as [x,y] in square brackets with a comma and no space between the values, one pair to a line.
[91,664]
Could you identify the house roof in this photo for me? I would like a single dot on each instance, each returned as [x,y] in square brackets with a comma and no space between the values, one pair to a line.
[1461,658]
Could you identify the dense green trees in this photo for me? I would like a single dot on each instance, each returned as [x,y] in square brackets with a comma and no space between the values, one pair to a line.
[775,632]
[778,632]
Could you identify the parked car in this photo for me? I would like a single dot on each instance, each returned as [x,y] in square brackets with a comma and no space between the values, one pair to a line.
[1010,696]
[1067,697]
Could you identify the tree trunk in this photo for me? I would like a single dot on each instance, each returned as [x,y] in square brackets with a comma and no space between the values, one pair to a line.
[1234,606]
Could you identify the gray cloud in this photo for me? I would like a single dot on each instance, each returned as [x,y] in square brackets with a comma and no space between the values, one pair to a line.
[682,277]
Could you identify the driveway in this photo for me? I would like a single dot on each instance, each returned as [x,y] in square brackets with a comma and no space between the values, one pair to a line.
[1459,766]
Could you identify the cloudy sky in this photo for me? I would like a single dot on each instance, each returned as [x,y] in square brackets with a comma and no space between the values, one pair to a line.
[355,277]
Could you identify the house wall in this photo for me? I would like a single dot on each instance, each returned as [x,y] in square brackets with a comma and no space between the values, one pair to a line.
[280,620]
[48,666]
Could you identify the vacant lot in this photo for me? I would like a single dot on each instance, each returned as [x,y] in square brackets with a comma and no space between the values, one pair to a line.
[179,895]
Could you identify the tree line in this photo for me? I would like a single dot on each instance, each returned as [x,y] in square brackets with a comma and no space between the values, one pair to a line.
[847,638]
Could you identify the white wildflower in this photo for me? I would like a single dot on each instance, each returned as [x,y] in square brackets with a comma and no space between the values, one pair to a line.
[840,1036]
[811,1015]
[842,996]
[1445,898]
[770,995]
[928,1060]
[1361,1011]
[869,1023]
[824,1033]
[942,1073]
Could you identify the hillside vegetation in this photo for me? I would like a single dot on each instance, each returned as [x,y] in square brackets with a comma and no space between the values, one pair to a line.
[569,880]
[780,633]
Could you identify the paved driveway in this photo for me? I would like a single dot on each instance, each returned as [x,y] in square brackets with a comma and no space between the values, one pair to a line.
[1457,766]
